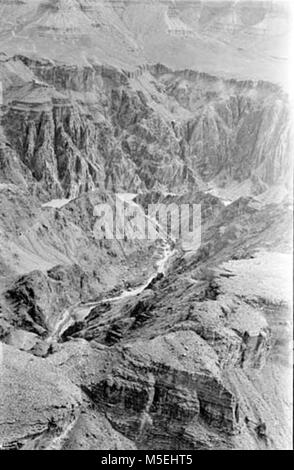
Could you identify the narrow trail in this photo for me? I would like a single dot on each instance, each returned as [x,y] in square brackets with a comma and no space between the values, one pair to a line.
[80,311]
[58,441]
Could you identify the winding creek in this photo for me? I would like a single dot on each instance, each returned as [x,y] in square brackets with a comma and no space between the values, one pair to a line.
[80,311]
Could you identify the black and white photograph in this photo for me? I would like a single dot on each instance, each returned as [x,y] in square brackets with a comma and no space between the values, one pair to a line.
[146,226]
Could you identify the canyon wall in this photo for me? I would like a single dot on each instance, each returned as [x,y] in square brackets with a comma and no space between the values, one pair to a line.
[175,107]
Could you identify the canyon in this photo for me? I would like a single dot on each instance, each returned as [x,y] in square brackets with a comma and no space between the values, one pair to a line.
[132,343]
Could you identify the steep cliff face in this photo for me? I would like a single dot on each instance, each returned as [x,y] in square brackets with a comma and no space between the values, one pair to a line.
[172,391]
[104,349]
[238,129]
[76,129]
[91,131]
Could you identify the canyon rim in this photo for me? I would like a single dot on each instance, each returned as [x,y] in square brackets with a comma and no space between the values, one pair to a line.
[146,167]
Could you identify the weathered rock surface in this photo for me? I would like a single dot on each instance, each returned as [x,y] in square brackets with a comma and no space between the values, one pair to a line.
[199,358]
[78,128]
[35,398]
[207,337]
[42,409]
